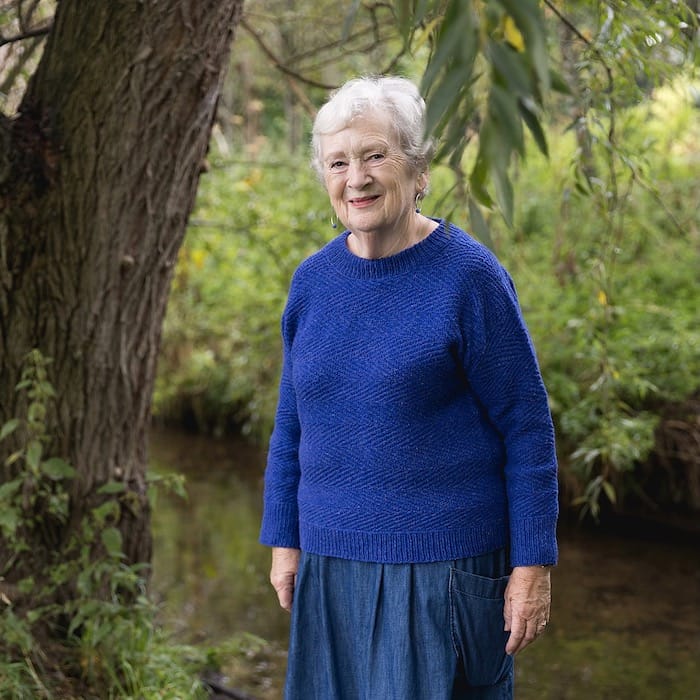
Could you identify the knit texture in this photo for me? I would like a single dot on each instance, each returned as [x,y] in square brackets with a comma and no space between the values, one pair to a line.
[412,424]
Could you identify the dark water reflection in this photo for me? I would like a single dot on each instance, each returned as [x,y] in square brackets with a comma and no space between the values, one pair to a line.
[626,610]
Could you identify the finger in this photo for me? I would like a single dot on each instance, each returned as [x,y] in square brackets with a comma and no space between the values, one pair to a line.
[285,595]
[518,630]
[524,633]
[507,615]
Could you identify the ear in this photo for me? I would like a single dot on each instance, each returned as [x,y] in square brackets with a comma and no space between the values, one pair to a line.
[423,180]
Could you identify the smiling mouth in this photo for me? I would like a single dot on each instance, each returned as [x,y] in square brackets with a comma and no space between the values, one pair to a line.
[363,201]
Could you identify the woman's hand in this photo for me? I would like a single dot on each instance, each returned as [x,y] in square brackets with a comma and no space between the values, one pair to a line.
[526,611]
[283,574]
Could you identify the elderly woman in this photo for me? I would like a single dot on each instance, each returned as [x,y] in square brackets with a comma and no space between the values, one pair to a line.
[411,487]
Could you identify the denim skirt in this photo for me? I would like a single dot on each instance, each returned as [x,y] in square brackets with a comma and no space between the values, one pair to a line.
[366,631]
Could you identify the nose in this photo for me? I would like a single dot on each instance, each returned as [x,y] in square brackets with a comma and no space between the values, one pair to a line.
[358,175]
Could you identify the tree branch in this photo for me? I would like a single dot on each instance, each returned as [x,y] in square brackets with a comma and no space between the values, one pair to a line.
[294,76]
[30,33]
[568,23]
[278,64]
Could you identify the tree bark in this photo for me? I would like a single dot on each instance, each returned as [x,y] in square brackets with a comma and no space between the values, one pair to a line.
[98,174]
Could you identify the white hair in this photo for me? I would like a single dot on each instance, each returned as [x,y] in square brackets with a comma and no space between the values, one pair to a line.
[395,96]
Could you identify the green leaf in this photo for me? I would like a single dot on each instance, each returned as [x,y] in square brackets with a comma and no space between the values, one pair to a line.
[36,412]
[609,491]
[404,17]
[34,451]
[479,225]
[558,83]
[112,487]
[47,389]
[25,585]
[9,428]
[444,100]
[112,541]
[9,489]
[505,116]
[56,468]
[15,456]
[456,44]
[420,10]
[533,124]
[511,68]
[9,520]
[504,194]
[530,21]
[105,510]
[479,173]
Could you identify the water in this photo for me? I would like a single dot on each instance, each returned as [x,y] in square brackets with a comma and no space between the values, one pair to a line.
[625,610]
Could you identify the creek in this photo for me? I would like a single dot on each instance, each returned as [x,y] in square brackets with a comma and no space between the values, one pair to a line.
[625,620]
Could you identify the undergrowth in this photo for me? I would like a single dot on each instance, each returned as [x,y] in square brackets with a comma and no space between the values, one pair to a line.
[75,621]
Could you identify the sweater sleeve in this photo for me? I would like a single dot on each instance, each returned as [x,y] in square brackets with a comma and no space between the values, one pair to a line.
[502,369]
[280,522]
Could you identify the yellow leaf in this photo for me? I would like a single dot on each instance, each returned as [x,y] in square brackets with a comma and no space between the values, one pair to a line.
[513,35]
[198,257]
[602,298]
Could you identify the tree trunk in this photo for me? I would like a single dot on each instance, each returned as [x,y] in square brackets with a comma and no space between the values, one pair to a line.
[98,174]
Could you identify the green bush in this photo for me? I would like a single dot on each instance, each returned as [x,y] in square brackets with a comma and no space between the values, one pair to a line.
[606,270]
[608,281]
[252,226]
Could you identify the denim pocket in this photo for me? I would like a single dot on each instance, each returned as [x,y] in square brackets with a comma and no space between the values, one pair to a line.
[476,617]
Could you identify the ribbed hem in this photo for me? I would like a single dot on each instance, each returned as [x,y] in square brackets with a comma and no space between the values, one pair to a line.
[404,547]
[350,265]
[533,541]
[280,525]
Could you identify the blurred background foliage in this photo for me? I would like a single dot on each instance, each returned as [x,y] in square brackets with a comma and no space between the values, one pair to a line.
[603,243]
[601,236]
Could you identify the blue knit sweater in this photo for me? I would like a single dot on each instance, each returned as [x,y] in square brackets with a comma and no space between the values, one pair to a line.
[412,423]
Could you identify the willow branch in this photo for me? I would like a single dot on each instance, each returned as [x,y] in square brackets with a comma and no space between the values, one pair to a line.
[577,33]
[598,54]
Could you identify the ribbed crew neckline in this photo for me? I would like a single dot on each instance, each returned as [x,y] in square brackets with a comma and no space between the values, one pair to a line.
[351,265]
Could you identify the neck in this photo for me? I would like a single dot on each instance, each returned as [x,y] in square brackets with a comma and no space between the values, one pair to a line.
[380,244]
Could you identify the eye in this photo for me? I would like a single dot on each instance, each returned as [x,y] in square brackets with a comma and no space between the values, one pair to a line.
[337,165]
[376,157]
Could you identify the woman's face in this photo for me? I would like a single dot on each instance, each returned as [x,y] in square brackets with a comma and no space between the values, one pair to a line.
[370,183]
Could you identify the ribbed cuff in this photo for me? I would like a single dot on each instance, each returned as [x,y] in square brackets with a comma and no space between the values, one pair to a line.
[533,541]
[280,525]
